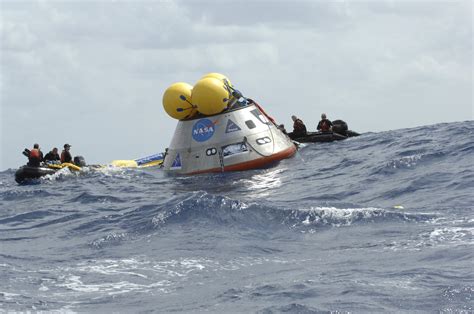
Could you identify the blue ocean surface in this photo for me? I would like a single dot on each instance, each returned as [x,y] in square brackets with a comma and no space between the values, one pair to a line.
[378,223]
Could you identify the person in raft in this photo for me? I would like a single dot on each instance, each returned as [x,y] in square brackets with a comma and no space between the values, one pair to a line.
[325,124]
[35,156]
[52,156]
[299,129]
[66,155]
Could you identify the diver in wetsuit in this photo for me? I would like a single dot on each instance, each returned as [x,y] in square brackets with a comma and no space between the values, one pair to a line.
[299,129]
[52,156]
[35,156]
[66,155]
[325,124]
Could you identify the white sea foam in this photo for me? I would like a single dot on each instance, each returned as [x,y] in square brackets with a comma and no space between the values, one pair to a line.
[438,237]
[43,288]
[9,296]
[402,283]
[75,283]
[58,174]
[405,162]
[109,239]
[111,170]
[337,216]
[142,275]
[451,235]
[119,172]
[261,185]
[161,217]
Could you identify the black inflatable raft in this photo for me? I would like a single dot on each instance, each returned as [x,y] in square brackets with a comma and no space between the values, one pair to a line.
[26,173]
[339,132]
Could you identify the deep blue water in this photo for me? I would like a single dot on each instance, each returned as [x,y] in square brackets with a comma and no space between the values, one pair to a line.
[379,223]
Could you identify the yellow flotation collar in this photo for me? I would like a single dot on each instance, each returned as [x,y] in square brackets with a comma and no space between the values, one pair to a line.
[152,164]
[63,165]
[124,163]
[134,164]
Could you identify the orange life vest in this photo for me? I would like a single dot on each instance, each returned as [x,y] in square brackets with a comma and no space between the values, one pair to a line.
[34,153]
[324,126]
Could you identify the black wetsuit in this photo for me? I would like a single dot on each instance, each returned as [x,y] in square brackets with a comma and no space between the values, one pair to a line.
[324,125]
[51,157]
[299,129]
[66,156]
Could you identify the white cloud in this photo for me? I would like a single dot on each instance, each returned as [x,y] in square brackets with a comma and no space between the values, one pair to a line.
[17,37]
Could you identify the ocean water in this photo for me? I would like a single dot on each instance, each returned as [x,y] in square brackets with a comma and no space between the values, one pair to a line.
[379,223]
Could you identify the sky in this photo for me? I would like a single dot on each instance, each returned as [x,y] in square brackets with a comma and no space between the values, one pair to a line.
[93,73]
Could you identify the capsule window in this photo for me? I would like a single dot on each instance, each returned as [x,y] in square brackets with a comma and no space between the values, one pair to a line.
[259,116]
[233,149]
[211,151]
[263,140]
[250,124]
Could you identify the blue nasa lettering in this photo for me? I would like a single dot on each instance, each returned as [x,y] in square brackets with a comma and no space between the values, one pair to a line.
[203,130]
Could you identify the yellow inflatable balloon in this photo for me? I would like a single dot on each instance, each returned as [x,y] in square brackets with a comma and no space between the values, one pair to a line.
[210,96]
[222,77]
[177,101]
[218,76]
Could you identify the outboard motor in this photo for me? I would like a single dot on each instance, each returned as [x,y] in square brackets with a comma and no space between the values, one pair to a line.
[340,127]
[26,153]
[79,161]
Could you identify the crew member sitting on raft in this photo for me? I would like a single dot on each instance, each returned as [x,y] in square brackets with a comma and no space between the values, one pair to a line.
[35,156]
[325,124]
[299,129]
[52,156]
[66,155]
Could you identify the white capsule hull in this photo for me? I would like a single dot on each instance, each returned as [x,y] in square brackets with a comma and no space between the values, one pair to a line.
[240,139]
